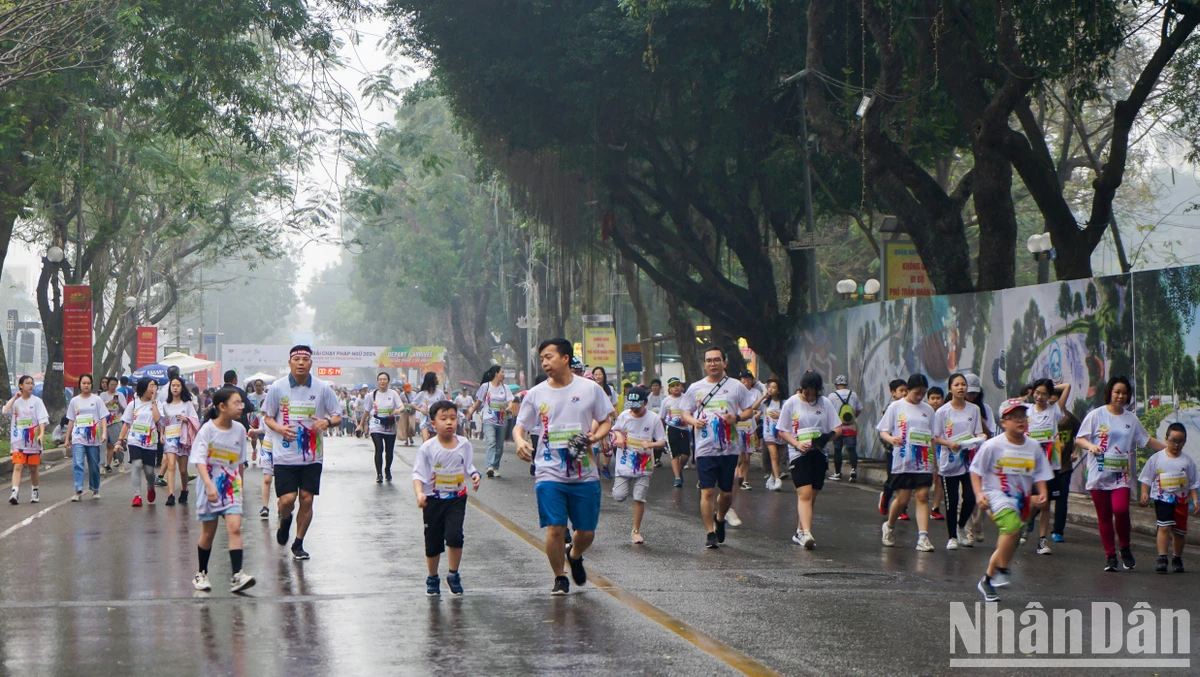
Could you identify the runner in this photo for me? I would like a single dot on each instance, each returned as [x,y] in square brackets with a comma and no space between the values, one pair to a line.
[86,428]
[495,400]
[160,479]
[849,409]
[29,419]
[125,389]
[749,432]
[975,396]
[219,452]
[254,401]
[600,376]
[1169,479]
[639,435]
[907,425]
[1049,408]
[957,431]
[140,437]
[266,461]
[770,405]
[1111,435]
[713,406]
[440,470]
[424,399]
[1068,430]
[898,388]
[407,416]
[115,401]
[298,410]
[379,420]
[575,414]
[1003,472]
[935,397]
[465,403]
[679,434]
[809,421]
[180,423]
[653,404]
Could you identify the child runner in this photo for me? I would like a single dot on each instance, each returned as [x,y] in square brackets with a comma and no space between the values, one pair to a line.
[907,425]
[1049,408]
[808,422]
[770,404]
[1169,478]
[679,435]
[219,453]
[115,401]
[87,428]
[178,412]
[29,419]
[935,397]
[638,436]
[441,468]
[898,389]
[957,430]
[1004,470]
[140,436]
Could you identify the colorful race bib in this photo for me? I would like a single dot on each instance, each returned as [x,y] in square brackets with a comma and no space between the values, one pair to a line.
[173,432]
[715,407]
[1016,462]
[85,420]
[920,437]
[1172,482]
[1115,461]
[24,423]
[446,482]
[807,434]
[559,435]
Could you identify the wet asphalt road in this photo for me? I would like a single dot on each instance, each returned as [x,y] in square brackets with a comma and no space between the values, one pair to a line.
[101,588]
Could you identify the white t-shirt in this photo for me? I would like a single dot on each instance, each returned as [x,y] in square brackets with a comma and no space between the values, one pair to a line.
[770,417]
[1043,429]
[464,404]
[143,431]
[86,413]
[27,415]
[495,401]
[423,401]
[716,438]
[379,405]
[1008,471]
[1170,479]
[300,406]
[957,425]
[806,421]
[671,412]
[654,402]
[913,425]
[563,413]
[634,459]
[223,452]
[444,472]
[1118,437]
[172,420]
[115,403]
[846,395]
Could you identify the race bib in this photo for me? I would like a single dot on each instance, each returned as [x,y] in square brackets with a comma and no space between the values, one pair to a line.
[300,411]
[446,481]
[267,444]
[559,435]
[173,432]
[383,411]
[497,405]
[140,428]
[1172,482]
[85,420]
[808,434]
[746,426]
[24,423]
[223,455]
[920,437]
[1115,461]
[1042,435]
[715,407]
[635,442]
[1016,462]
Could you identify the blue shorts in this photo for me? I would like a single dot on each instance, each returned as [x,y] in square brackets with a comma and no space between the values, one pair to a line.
[717,471]
[212,516]
[558,501]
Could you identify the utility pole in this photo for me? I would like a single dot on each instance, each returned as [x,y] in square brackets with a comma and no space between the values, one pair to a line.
[809,226]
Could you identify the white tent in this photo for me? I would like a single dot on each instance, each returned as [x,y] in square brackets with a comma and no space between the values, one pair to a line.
[186,363]
[267,379]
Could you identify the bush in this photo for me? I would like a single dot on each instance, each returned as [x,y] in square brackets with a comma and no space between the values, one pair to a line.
[1151,419]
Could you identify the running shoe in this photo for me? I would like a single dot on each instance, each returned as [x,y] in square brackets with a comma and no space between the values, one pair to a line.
[965,542]
[952,544]
[1057,538]
[658,463]
[1002,577]
[889,535]
[798,537]
[808,541]
[985,588]
[200,582]
[298,552]
[1177,564]
[678,483]
[1160,564]
[107,470]
[562,586]
[34,496]
[1110,563]
[977,536]
[12,498]
[265,512]
[192,477]
[732,519]
[710,541]
[160,481]
[491,472]
[1127,560]
[637,538]
[746,486]
[904,516]
[137,501]
[496,473]
[284,530]
[1043,547]
[836,477]
[95,494]
[433,586]
[605,472]
[924,544]
[853,476]
[78,495]
[183,497]
[720,528]
[882,507]
[1024,536]
[240,581]
[783,475]
[936,514]
[151,495]
[171,499]
[455,582]
[578,573]
[387,475]
[379,479]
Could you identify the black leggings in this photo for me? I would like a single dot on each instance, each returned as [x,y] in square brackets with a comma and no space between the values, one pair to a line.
[382,442]
[951,485]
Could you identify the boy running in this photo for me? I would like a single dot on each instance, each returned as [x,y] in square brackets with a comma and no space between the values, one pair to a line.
[639,435]
[679,435]
[1169,479]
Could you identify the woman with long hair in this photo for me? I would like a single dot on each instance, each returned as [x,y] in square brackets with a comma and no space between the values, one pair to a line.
[115,401]
[179,423]
[379,420]
[139,437]
[29,419]
[87,428]
[957,432]
[770,404]
[426,397]
[1047,413]
[497,403]
[808,422]
[601,378]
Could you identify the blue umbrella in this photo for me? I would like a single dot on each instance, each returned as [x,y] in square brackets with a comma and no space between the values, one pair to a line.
[156,371]
[362,386]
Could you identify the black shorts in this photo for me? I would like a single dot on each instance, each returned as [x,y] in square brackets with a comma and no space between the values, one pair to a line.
[809,469]
[291,478]
[146,456]
[443,524]
[907,481]
[1171,515]
[717,471]
[679,442]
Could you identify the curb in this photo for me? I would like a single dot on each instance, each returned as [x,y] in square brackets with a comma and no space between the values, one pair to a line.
[48,456]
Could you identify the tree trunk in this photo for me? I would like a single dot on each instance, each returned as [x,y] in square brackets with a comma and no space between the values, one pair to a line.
[685,339]
[997,218]
[632,283]
[50,310]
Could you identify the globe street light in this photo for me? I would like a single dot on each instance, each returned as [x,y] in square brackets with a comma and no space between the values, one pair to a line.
[55,254]
[1042,248]
[849,289]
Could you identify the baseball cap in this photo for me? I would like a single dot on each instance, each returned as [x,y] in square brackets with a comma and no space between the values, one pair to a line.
[576,364]
[974,385]
[745,374]
[672,381]
[840,380]
[1011,406]
[636,397]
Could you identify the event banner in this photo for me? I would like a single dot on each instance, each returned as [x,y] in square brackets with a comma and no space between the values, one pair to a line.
[600,347]
[147,346]
[76,333]
[425,358]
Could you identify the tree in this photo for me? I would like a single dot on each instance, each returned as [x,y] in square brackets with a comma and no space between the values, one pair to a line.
[1185,379]
[38,37]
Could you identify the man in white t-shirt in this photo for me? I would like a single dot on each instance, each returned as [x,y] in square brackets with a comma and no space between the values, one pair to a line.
[713,406]
[574,414]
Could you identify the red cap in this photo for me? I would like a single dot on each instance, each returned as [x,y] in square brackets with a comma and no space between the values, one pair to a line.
[1012,405]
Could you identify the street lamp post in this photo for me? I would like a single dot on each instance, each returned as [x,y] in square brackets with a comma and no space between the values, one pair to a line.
[867,291]
[1043,252]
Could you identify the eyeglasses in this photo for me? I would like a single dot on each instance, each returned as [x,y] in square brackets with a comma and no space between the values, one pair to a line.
[1175,443]
[713,360]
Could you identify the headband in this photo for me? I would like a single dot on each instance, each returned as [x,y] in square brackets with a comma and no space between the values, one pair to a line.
[299,350]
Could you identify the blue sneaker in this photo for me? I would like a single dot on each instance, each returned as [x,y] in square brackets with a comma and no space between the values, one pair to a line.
[1058,538]
[455,582]
[433,586]
[605,472]
[678,482]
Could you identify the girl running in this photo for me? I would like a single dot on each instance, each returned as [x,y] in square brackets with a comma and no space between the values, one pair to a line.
[957,432]
[29,419]
[140,437]
[179,423]
[1048,410]
[770,404]
[809,421]
[429,395]
[219,453]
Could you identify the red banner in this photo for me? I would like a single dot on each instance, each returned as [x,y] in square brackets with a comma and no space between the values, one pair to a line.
[147,346]
[76,333]
[201,377]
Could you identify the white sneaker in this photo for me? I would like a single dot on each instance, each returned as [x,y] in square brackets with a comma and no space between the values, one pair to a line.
[770,483]
[965,542]
[1042,549]
[78,495]
[889,535]
[240,581]
[200,582]
[836,477]
[798,537]
[924,544]
[952,544]
[778,485]
[496,473]
[732,519]
[35,497]
[808,541]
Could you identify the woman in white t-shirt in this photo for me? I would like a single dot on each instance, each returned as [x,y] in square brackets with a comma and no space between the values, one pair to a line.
[957,432]
[179,422]
[426,397]
[1048,410]
[497,403]
[29,419]
[379,420]
[769,404]
[1111,435]
[87,430]
[115,401]
[139,436]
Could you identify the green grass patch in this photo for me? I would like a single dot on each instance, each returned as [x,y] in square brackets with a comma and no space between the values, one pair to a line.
[3,448]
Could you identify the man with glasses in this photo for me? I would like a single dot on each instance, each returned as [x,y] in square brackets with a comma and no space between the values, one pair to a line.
[713,406]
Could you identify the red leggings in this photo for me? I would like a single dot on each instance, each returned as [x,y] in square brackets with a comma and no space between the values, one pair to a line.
[1112,504]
